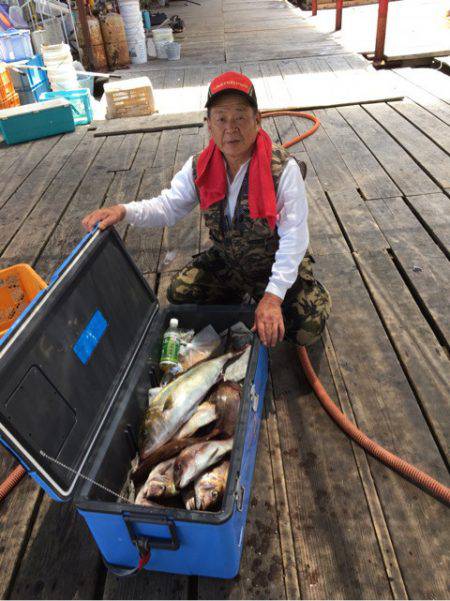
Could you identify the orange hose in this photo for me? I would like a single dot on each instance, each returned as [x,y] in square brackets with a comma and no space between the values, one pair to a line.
[10,482]
[438,490]
[421,479]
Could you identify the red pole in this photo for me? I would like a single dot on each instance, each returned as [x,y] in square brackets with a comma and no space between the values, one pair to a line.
[314,7]
[339,4]
[381,31]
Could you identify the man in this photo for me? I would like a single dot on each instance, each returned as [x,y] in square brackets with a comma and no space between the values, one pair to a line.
[252,196]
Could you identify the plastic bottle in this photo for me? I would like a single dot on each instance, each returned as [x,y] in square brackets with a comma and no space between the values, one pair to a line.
[170,346]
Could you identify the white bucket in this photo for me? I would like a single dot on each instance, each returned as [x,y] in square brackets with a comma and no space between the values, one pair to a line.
[161,49]
[138,53]
[173,51]
[165,34]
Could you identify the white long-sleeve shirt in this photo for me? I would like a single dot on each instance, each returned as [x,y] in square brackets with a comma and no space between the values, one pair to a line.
[292,222]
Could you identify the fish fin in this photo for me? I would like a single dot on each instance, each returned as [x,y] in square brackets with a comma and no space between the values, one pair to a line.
[168,403]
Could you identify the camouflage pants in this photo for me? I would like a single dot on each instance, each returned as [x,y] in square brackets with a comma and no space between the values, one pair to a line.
[208,279]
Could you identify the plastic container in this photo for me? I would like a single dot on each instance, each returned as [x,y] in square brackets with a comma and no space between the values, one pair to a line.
[61,72]
[6,84]
[138,52]
[173,51]
[30,95]
[10,101]
[83,355]
[29,78]
[38,120]
[15,45]
[165,34]
[147,21]
[38,38]
[86,81]
[161,49]
[80,101]
[19,284]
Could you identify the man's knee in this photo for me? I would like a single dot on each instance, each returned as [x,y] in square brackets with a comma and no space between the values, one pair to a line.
[307,315]
[182,288]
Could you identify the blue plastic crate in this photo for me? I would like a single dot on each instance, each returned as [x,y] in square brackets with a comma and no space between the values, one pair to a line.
[29,78]
[15,45]
[80,101]
[34,121]
[29,95]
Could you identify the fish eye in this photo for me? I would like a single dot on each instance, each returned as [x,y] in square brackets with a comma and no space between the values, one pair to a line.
[214,494]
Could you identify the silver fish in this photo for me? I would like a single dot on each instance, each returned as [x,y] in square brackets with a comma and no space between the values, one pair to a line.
[160,482]
[195,459]
[236,371]
[177,402]
[205,414]
[210,486]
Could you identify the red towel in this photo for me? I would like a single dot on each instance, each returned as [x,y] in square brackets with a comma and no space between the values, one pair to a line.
[212,180]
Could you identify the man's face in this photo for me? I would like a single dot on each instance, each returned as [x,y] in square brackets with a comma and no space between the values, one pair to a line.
[234,125]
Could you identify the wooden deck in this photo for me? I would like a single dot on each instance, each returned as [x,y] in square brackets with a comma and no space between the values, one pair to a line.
[326,520]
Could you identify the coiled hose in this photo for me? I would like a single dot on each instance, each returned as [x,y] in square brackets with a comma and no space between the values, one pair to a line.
[413,474]
[421,479]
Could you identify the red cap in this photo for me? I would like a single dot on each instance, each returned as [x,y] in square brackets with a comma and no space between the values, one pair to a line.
[231,81]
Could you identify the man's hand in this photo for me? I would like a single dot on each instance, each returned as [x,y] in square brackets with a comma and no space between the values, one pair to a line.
[269,320]
[104,217]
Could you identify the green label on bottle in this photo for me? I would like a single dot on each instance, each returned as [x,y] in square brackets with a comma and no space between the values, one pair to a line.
[170,349]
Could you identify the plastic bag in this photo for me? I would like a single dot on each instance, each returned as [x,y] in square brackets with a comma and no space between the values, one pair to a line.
[200,348]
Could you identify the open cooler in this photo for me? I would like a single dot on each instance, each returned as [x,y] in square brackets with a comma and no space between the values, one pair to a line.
[75,370]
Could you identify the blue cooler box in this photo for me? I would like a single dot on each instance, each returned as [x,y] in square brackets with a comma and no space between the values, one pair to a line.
[75,370]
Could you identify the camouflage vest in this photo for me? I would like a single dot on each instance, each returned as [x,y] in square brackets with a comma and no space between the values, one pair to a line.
[246,244]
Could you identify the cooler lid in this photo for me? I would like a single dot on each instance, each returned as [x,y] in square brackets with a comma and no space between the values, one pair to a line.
[34,107]
[63,362]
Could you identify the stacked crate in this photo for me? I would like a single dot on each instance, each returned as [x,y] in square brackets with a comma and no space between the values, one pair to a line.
[30,83]
[8,95]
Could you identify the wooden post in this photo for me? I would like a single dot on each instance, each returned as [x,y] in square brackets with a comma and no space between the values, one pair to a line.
[339,4]
[86,33]
[381,31]
[314,7]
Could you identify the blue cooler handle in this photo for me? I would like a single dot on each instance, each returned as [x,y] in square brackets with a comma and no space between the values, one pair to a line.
[144,543]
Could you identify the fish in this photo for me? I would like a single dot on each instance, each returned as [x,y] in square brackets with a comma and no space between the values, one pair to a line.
[195,459]
[210,486]
[236,371]
[188,495]
[167,451]
[206,413]
[177,402]
[227,399]
[141,499]
[160,482]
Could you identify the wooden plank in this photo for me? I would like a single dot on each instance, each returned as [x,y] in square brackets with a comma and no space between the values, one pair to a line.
[287,131]
[89,196]
[421,355]
[59,544]
[147,151]
[430,80]
[337,554]
[423,264]
[437,107]
[14,176]
[428,124]
[188,145]
[126,153]
[165,155]
[280,487]
[355,218]
[402,169]
[372,179]
[18,512]
[429,156]
[34,228]
[329,166]
[144,244]
[326,236]
[433,212]
[393,418]
[147,586]
[152,123]
[278,92]
[261,572]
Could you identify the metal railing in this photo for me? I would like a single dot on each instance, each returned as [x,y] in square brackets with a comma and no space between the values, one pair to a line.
[381,26]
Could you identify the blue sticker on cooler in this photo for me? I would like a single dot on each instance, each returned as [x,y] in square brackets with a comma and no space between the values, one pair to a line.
[90,337]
